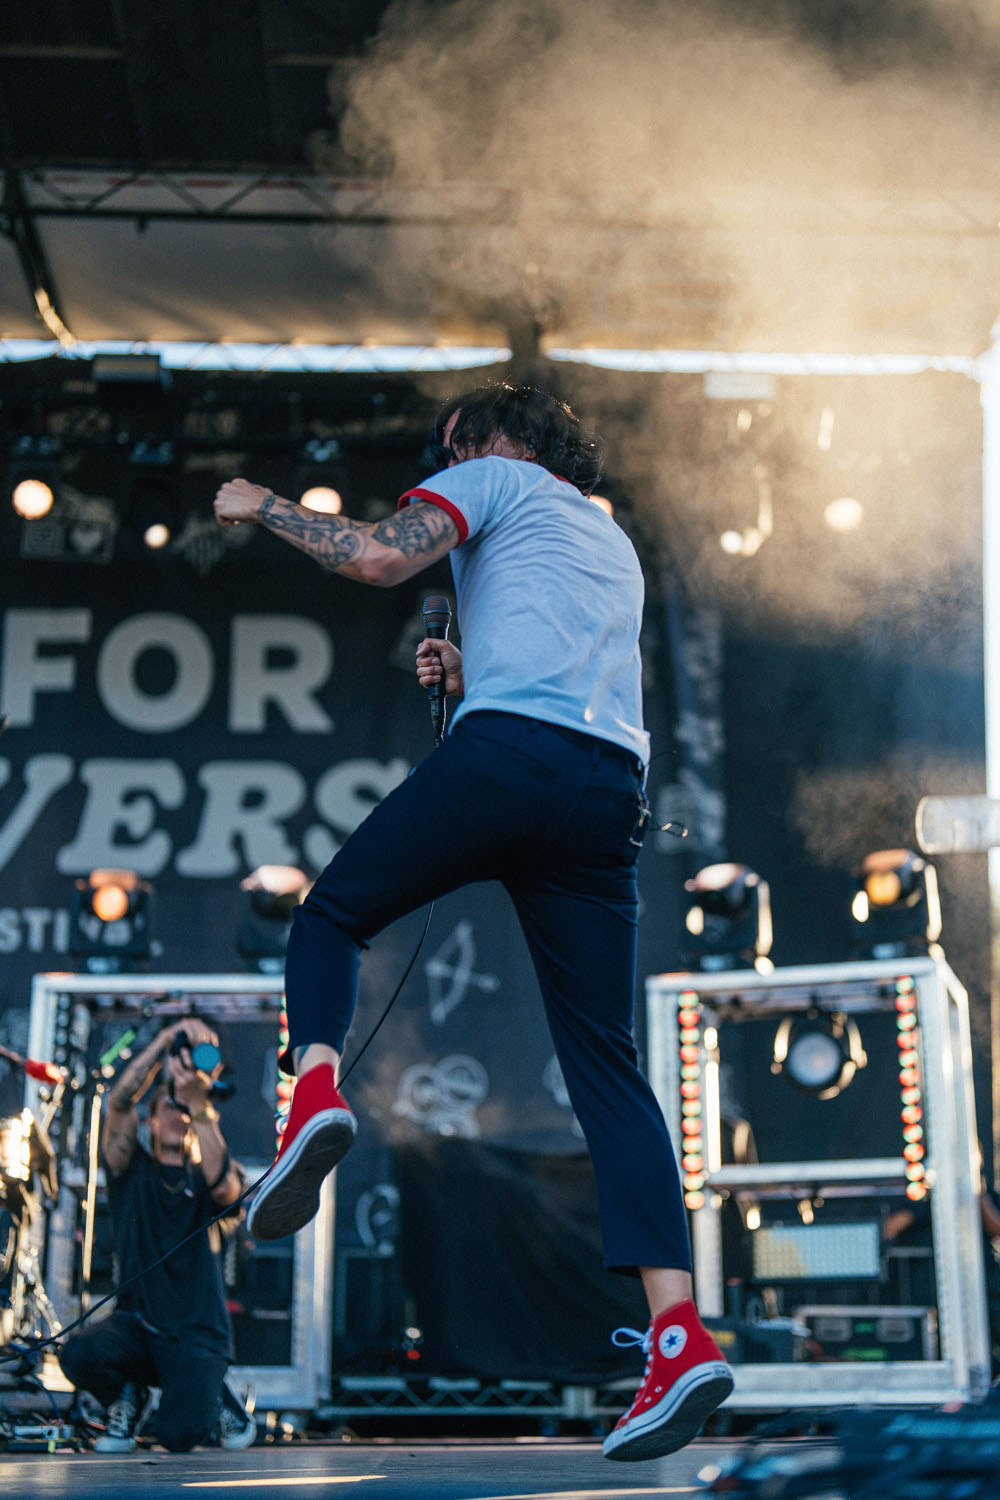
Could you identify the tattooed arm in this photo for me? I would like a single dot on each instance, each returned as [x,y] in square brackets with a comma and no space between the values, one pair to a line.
[121,1122]
[381,553]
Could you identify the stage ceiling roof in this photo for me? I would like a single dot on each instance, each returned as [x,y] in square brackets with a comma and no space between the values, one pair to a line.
[781,175]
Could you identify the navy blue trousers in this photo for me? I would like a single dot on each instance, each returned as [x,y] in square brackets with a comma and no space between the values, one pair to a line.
[548,812]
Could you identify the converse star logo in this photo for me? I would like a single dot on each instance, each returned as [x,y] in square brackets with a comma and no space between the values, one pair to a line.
[672,1341]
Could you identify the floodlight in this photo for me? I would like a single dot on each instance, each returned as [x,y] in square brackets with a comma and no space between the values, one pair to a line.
[33,476]
[896,909]
[728,921]
[152,502]
[111,920]
[322,498]
[818,1051]
[319,478]
[32,498]
[268,897]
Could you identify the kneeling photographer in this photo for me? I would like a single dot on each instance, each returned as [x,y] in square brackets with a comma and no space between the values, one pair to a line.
[170,1328]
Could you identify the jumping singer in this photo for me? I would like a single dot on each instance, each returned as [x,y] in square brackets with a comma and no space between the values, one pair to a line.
[539,785]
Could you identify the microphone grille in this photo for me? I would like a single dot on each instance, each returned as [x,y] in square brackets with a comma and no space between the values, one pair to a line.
[437,610]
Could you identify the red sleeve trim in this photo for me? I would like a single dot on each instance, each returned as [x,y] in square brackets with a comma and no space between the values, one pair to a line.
[441,503]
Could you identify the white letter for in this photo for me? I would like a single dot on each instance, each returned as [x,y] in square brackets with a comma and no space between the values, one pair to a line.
[43,776]
[346,795]
[114,805]
[159,712]
[254,682]
[244,801]
[24,672]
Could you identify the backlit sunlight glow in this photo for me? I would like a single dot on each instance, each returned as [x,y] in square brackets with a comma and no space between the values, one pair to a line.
[844,514]
[700,361]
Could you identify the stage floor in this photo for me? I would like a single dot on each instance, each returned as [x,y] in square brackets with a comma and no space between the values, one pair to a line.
[536,1469]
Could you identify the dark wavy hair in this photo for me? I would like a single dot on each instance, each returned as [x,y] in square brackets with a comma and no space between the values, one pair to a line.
[541,424]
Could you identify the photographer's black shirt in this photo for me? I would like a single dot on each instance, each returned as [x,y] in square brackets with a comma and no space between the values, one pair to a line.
[153,1208]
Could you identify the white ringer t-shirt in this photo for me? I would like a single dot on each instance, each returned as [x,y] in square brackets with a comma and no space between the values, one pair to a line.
[549,593]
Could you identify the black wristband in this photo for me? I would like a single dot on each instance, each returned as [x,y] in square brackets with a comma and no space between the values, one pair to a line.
[224,1173]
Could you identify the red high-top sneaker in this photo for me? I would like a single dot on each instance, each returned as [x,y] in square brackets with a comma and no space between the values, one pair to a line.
[319,1133]
[685,1379]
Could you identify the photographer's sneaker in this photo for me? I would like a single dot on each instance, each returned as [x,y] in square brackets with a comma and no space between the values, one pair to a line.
[237,1428]
[319,1134]
[124,1416]
[685,1379]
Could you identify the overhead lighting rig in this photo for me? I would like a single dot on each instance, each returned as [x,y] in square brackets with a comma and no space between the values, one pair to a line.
[896,909]
[110,921]
[728,921]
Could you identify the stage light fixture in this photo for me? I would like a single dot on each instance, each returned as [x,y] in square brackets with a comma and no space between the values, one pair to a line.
[267,898]
[818,1051]
[728,921]
[32,498]
[896,909]
[111,921]
[322,498]
[151,499]
[319,478]
[33,476]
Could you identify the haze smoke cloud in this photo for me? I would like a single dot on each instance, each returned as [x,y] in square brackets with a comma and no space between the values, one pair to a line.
[640,172]
[587,127]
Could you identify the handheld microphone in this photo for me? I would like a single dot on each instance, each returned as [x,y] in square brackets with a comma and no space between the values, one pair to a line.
[437,619]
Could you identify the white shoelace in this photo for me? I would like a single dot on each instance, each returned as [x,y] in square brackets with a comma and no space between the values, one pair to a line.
[626,1338]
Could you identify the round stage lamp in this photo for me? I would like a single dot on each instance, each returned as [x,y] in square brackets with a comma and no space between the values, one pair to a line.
[156,536]
[896,909]
[111,920]
[727,923]
[814,1060]
[320,477]
[152,498]
[818,1053]
[322,498]
[267,898]
[109,902]
[32,499]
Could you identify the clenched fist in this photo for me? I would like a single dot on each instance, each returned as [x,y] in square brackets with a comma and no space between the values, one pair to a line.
[239,500]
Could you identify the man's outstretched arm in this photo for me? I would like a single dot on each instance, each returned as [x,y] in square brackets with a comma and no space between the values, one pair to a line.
[380,553]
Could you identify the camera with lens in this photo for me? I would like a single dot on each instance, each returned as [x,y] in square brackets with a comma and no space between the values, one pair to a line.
[204,1055]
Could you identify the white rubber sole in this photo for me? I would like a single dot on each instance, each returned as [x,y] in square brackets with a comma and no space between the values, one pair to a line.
[289,1195]
[677,1419]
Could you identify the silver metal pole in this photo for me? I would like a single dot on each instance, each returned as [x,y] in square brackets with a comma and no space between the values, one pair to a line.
[989,387]
[90,1207]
